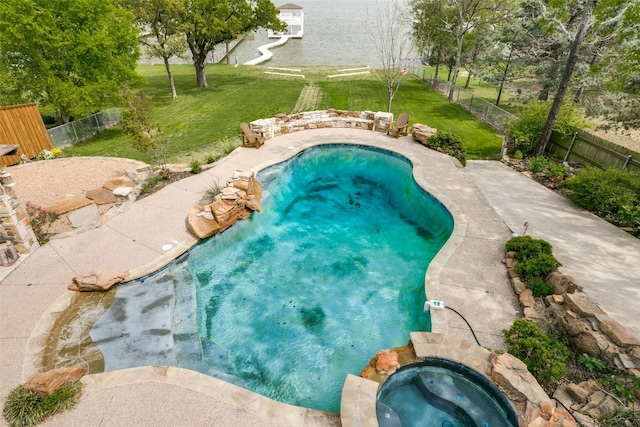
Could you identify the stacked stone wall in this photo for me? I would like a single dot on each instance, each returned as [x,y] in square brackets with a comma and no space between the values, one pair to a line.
[589,330]
[287,123]
[16,235]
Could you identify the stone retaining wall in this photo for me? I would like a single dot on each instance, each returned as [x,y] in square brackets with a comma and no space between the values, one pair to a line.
[331,118]
[590,331]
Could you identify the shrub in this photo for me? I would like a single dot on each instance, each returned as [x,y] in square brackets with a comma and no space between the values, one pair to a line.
[448,143]
[211,192]
[211,158]
[229,146]
[526,247]
[25,408]
[527,128]
[537,267]
[150,183]
[544,356]
[539,287]
[538,164]
[604,192]
[196,166]
[555,171]
[40,219]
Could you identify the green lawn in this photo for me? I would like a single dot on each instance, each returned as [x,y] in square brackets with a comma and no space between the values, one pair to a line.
[203,120]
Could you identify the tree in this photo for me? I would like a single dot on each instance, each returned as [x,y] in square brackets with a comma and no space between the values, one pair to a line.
[392,46]
[159,22]
[434,44]
[69,55]
[207,23]
[137,121]
[455,18]
[613,16]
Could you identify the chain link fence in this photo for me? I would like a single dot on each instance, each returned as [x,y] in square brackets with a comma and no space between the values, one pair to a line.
[482,109]
[84,128]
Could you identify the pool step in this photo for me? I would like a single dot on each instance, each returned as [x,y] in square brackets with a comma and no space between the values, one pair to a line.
[188,346]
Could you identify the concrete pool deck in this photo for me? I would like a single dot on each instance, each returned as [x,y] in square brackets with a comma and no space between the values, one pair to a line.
[493,200]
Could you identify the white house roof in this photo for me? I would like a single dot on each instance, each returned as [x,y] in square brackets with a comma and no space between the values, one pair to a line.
[289,6]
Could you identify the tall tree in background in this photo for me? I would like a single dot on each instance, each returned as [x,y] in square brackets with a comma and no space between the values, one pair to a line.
[207,23]
[458,18]
[392,45]
[69,55]
[435,44]
[159,22]
[611,15]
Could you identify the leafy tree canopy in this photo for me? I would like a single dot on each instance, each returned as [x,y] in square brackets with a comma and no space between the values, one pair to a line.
[69,55]
[210,22]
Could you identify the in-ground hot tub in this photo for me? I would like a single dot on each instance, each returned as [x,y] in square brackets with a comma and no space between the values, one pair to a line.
[441,393]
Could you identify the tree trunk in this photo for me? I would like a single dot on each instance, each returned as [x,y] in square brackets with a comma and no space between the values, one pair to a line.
[199,55]
[201,76]
[172,85]
[466,84]
[587,11]
[456,68]
[504,77]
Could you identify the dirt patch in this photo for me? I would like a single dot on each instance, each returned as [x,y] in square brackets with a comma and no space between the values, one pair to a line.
[174,177]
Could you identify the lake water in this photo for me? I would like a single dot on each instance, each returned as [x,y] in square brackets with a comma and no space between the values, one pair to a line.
[336,32]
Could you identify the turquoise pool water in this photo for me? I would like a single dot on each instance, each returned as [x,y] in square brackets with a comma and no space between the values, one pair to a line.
[291,300]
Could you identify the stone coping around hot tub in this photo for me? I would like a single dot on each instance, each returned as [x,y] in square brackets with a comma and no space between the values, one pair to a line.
[216,389]
[529,401]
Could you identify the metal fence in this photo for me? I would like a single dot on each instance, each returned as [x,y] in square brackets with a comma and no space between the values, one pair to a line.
[84,128]
[482,109]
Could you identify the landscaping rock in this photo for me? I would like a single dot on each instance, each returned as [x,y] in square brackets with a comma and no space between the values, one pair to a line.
[45,383]
[201,226]
[119,181]
[93,281]
[580,303]
[422,133]
[101,196]
[70,203]
[386,362]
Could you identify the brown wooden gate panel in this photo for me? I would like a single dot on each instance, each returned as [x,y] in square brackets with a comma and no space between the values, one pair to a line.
[23,125]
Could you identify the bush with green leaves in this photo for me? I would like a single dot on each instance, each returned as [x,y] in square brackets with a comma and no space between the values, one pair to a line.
[526,247]
[539,267]
[527,128]
[627,388]
[555,171]
[24,408]
[539,287]
[538,164]
[544,355]
[196,166]
[448,143]
[612,194]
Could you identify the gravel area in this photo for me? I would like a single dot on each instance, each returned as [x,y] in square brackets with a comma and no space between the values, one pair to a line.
[45,182]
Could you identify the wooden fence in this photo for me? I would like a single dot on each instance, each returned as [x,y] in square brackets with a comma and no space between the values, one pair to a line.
[589,149]
[22,125]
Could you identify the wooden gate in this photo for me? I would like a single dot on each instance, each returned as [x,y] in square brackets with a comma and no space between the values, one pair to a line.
[23,125]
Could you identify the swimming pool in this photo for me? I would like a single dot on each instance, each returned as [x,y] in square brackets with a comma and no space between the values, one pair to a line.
[440,392]
[289,301]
